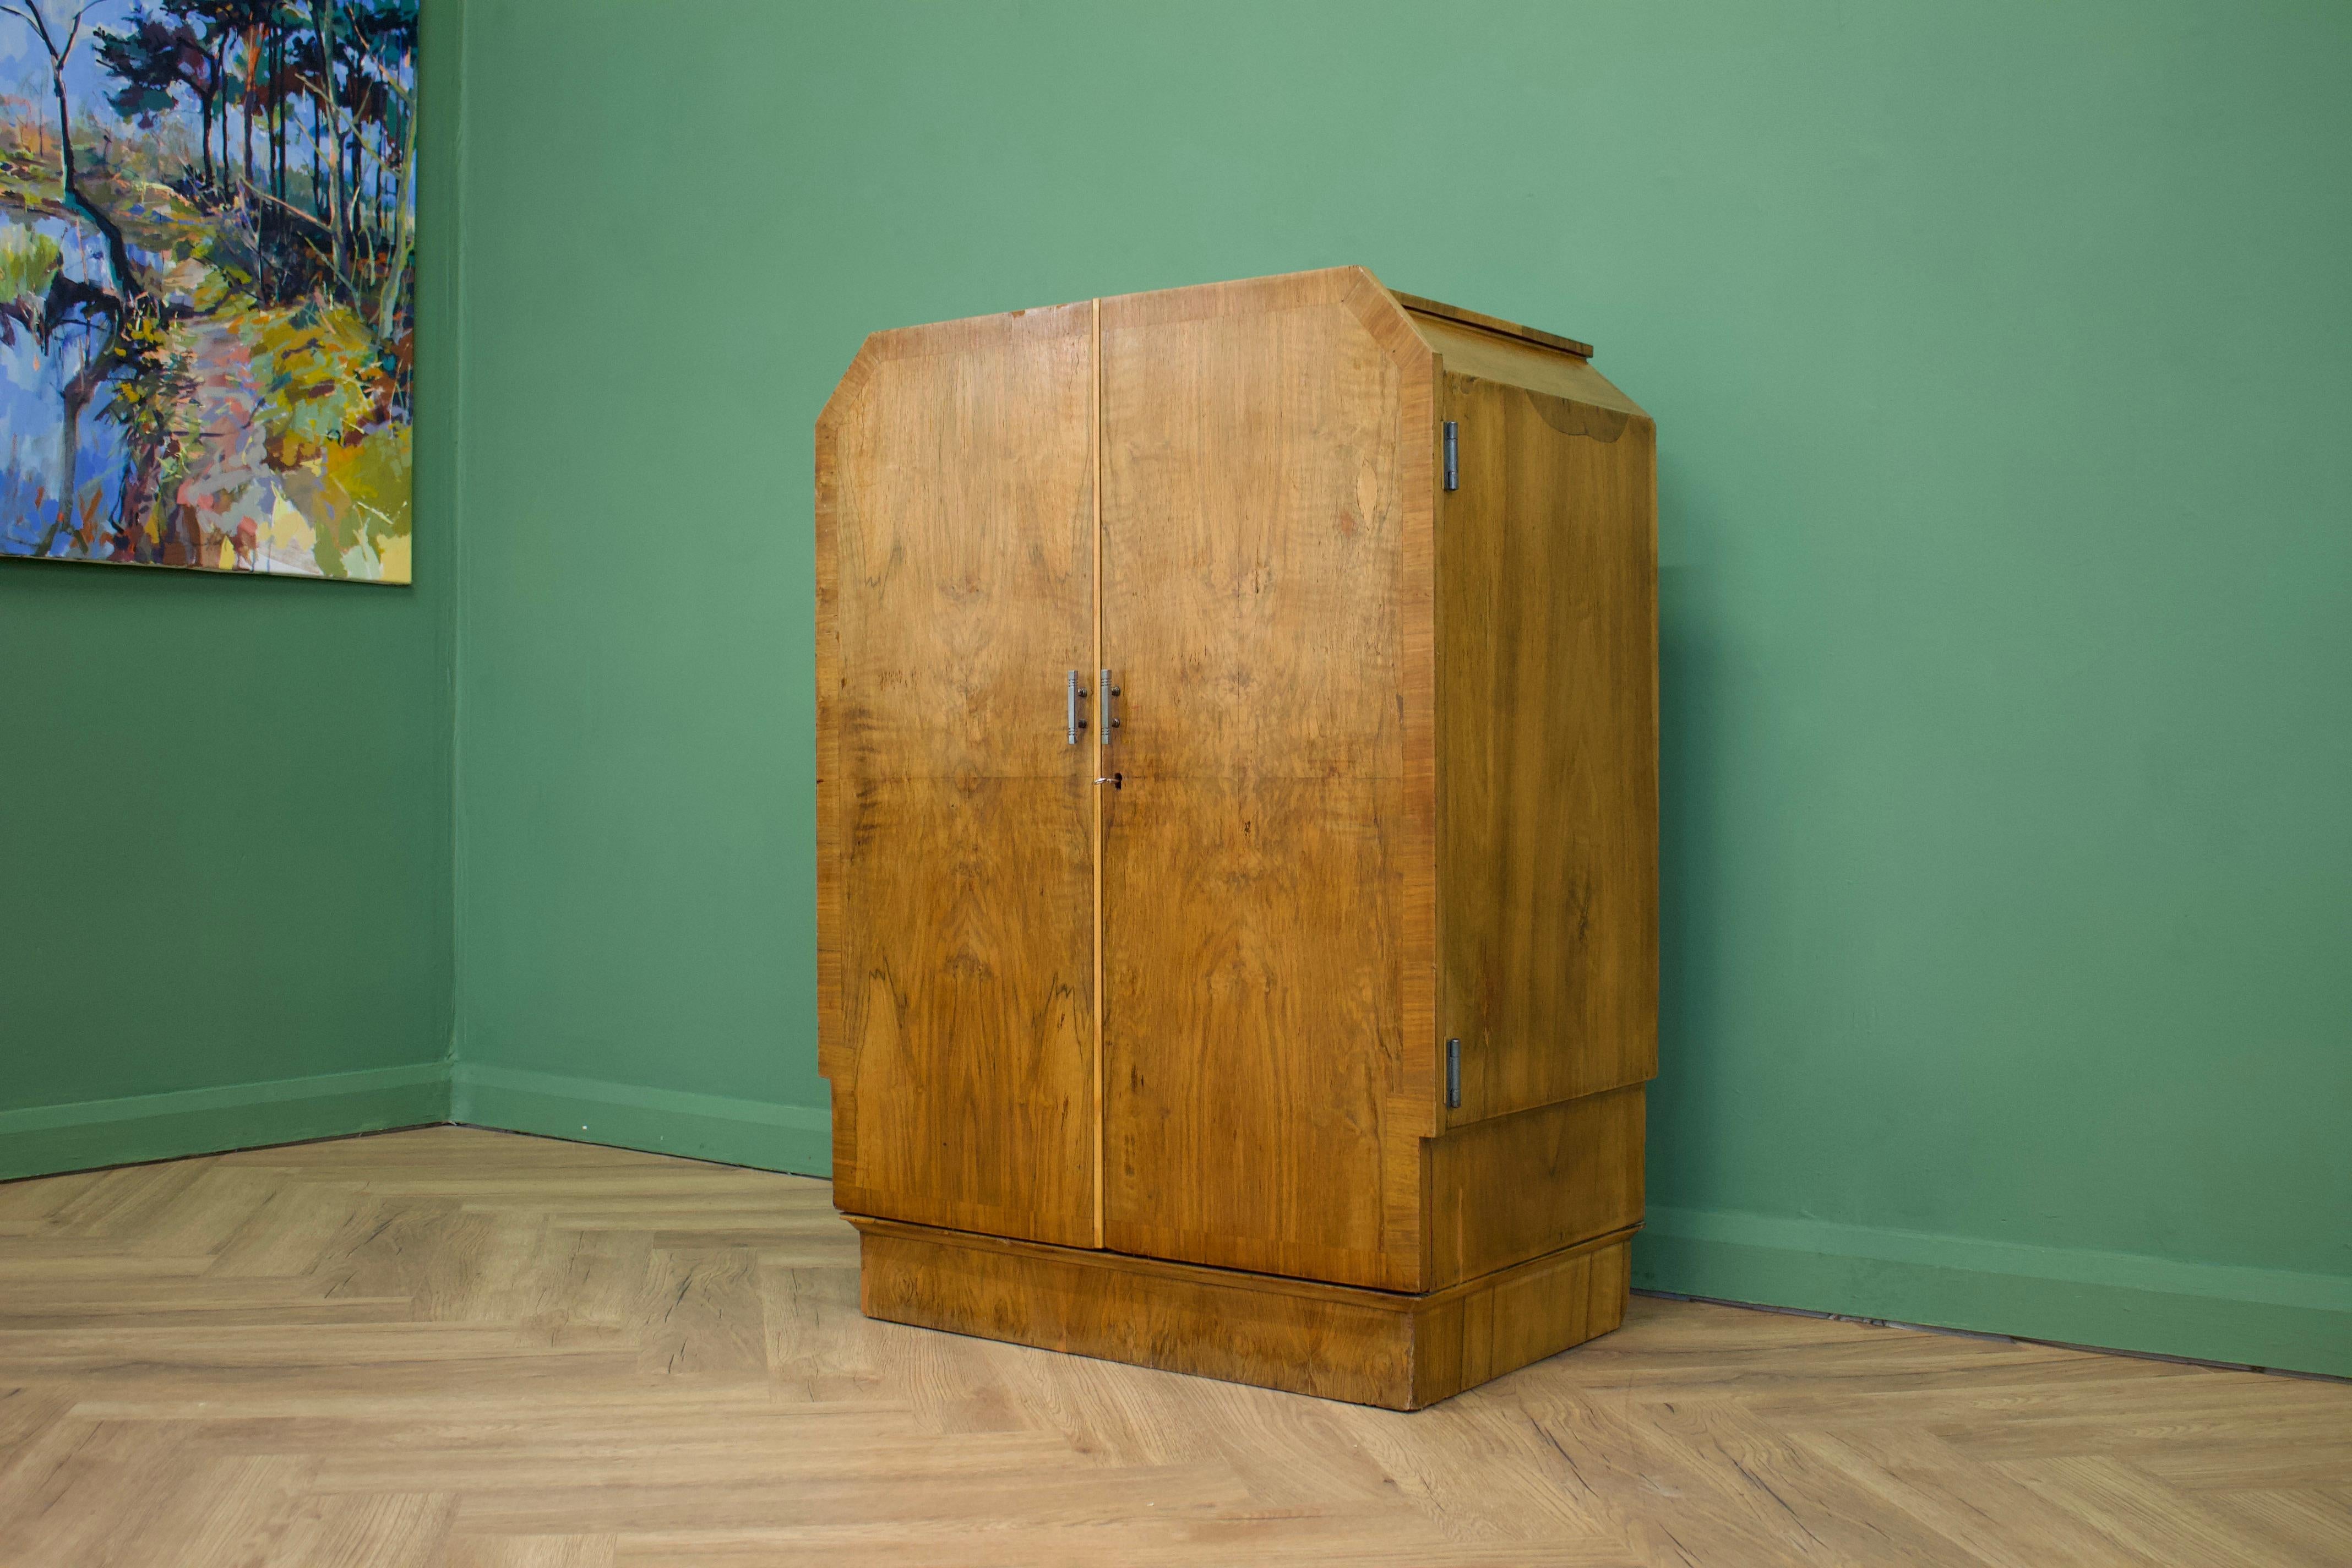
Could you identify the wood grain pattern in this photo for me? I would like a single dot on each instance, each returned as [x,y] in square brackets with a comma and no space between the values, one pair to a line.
[1420,1086]
[1095,767]
[1455,315]
[1548,745]
[1379,781]
[1255,499]
[1249,982]
[971,1097]
[1481,1328]
[831,858]
[957,518]
[1509,1188]
[457,1349]
[1252,520]
[1367,1347]
[1487,357]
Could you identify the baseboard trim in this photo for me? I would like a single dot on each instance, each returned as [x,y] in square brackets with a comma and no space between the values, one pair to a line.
[2208,1311]
[48,1140]
[761,1134]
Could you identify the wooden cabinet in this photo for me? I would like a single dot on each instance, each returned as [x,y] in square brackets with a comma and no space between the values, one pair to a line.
[1237,862]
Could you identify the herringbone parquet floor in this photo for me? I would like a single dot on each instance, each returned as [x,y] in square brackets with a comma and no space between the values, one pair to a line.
[450,1347]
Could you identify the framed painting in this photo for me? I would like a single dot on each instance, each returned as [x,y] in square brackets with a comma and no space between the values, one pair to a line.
[208,306]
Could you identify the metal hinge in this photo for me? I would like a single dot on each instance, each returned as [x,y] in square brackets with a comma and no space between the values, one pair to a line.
[1453,457]
[1453,1075]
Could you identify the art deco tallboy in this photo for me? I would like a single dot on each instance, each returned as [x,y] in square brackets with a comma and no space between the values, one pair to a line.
[1237,878]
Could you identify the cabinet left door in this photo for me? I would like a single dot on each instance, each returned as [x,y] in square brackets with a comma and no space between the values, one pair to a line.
[956,824]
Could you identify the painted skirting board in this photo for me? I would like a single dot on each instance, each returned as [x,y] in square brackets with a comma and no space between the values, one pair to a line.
[759,1133]
[2259,1317]
[48,1139]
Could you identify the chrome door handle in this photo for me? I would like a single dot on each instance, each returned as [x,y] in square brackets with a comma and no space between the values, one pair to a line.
[1110,720]
[1072,721]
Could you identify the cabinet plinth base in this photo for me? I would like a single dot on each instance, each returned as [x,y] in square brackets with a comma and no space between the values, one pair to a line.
[1338,1341]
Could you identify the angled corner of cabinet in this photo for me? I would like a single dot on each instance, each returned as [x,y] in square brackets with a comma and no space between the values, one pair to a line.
[1237,831]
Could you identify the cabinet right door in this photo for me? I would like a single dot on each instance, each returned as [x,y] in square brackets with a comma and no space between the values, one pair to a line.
[1255,487]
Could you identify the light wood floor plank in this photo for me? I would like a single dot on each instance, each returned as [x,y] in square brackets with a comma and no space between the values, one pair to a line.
[450,1348]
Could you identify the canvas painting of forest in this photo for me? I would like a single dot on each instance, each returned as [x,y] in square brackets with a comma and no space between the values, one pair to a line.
[208,236]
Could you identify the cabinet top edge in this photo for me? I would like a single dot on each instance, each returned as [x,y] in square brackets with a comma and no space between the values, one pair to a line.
[1077,315]
[1418,303]
[1491,323]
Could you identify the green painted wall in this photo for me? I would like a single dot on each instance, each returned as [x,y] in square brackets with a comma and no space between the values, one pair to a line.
[1997,356]
[226,856]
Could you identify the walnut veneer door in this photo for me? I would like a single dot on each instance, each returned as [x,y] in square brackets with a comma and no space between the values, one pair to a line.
[1257,488]
[956,881]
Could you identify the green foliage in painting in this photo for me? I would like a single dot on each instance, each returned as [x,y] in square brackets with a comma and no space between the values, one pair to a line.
[28,261]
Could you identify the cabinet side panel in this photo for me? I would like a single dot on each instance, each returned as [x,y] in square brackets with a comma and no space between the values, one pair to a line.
[1514,1187]
[1420,1093]
[958,818]
[1548,835]
[842,407]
